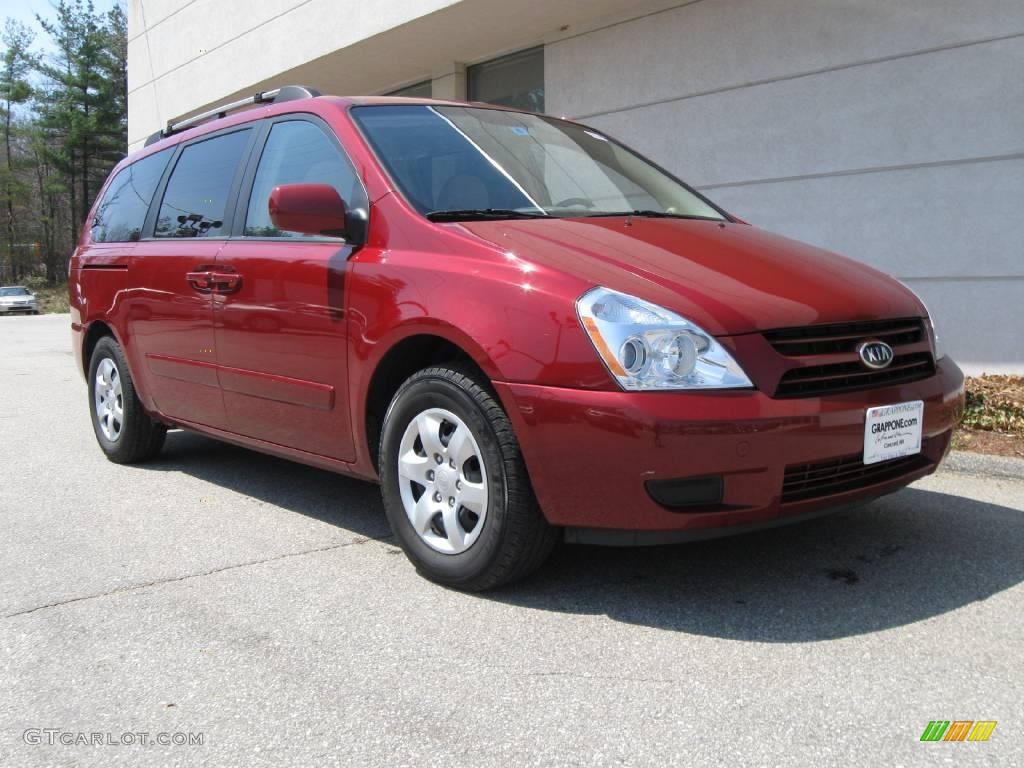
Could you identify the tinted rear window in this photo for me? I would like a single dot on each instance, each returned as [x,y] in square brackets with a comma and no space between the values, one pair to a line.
[197,192]
[122,211]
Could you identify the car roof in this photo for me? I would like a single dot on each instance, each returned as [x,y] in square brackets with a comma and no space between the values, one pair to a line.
[260,111]
[409,100]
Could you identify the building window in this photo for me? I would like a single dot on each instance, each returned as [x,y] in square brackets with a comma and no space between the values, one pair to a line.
[516,80]
[424,90]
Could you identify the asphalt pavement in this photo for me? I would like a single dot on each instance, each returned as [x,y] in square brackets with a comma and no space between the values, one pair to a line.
[261,608]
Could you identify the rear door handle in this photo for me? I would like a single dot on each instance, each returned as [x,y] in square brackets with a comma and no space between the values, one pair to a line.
[226,282]
[217,282]
[201,281]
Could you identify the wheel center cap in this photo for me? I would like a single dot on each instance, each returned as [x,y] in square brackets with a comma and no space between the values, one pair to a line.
[445,481]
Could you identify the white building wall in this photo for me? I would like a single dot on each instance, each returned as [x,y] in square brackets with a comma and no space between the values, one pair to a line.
[188,55]
[889,130]
[183,54]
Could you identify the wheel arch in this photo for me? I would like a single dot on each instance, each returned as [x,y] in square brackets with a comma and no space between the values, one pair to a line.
[96,330]
[405,356]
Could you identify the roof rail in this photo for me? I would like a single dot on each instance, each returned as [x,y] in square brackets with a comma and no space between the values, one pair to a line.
[284,93]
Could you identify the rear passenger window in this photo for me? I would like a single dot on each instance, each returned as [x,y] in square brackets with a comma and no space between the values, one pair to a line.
[122,211]
[197,193]
[298,152]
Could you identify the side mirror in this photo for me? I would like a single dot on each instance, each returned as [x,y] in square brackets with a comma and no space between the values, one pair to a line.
[312,209]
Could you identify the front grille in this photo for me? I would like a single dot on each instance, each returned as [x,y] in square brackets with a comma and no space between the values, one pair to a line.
[827,478]
[849,376]
[840,338]
[841,369]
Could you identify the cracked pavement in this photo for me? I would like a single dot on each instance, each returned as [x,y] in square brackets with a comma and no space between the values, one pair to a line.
[262,604]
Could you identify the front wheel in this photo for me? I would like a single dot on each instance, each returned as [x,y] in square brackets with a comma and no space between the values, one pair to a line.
[123,429]
[455,488]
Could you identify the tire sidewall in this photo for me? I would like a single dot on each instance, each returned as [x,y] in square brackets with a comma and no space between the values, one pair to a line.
[433,391]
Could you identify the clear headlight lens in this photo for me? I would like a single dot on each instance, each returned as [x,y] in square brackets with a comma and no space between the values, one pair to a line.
[937,349]
[647,347]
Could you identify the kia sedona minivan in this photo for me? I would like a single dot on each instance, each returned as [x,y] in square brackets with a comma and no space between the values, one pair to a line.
[521,328]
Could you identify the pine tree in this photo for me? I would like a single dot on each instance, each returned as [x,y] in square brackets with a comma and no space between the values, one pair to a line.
[50,196]
[112,137]
[83,114]
[18,62]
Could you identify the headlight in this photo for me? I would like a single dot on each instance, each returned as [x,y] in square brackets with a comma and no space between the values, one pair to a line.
[647,347]
[937,349]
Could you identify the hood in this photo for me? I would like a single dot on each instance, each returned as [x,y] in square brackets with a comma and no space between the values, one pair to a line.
[728,279]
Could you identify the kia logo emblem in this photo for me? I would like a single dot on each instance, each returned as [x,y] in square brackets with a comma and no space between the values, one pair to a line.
[875,354]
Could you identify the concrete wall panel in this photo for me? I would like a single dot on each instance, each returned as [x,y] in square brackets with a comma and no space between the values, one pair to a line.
[979,321]
[945,221]
[709,45]
[890,131]
[948,105]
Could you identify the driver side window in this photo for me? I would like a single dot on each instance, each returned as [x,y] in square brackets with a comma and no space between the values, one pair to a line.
[297,152]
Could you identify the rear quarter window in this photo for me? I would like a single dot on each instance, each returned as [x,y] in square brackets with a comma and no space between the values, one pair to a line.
[122,211]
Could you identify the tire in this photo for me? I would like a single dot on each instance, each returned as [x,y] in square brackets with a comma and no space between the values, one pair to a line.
[509,537]
[125,431]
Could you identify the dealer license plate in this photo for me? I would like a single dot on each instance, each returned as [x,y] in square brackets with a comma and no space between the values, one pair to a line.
[891,431]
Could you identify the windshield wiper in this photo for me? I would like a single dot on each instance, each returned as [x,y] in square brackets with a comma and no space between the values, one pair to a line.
[468,214]
[648,214]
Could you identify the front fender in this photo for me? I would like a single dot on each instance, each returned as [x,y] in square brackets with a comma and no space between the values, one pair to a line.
[516,320]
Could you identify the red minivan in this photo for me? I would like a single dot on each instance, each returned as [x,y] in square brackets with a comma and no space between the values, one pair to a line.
[524,330]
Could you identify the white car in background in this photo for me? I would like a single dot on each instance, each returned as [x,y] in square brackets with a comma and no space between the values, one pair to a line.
[18,298]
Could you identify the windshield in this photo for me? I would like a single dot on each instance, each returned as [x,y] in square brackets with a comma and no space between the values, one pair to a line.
[466,162]
[14,291]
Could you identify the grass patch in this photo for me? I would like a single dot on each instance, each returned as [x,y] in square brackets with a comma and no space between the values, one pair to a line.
[993,420]
[53,299]
[995,404]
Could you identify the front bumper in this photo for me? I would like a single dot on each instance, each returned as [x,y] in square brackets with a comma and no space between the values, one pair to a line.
[12,308]
[590,453]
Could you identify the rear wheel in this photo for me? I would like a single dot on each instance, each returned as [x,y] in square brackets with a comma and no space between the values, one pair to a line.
[455,488]
[123,429]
